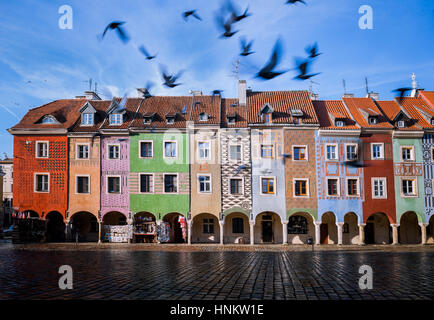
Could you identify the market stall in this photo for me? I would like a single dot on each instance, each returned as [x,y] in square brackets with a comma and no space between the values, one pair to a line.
[145,228]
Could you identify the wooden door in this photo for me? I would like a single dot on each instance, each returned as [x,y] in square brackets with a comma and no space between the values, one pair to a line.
[324,230]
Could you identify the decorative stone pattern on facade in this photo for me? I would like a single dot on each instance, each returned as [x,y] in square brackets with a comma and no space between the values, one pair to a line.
[428,175]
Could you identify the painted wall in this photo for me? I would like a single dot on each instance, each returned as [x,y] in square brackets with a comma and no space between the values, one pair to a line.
[413,169]
[158,202]
[378,169]
[342,204]
[7,168]
[85,167]
[26,164]
[115,202]
[428,175]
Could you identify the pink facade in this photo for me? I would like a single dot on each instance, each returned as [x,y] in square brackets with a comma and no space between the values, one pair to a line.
[115,168]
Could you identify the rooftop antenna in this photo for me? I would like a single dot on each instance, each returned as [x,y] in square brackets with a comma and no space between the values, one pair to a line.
[366,84]
[345,87]
[311,85]
[90,83]
[96,85]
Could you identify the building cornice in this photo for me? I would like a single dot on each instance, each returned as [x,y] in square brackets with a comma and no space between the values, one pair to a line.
[407,134]
[338,133]
[54,131]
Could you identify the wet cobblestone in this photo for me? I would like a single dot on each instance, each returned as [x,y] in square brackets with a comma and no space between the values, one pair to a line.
[124,274]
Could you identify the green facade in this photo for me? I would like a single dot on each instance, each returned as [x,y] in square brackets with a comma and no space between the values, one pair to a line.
[415,204]
[160,203]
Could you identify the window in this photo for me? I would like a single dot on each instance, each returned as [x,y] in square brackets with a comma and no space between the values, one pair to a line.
[352,187]
[113,151]
[407,153]
[170,120]
[237,225]
[236,186]
[351,152]
[87,119]
[332,187]
[235,153]
[339,123]
[297,225]
[267,185]
[146,183]
[83,151]
[301,188]
[231,120]
[48,120]
[300,152]
[203,117]
[401,124]
[331,152]
[267,117]
[115,119]
[170,149]
[204,183]
[170,183]
[432,153]
[82,184]
[146,149]
[408,187]
[298,120]
[208,225]
[372,120]
[377,150]
[41,149]
[266,151]
[204,150]
[114,185]
[379,188]
[432,121]
[42,182]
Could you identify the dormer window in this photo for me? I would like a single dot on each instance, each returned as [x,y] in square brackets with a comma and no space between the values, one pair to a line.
[401,124]
[170,118]
[48,120]
[148,117]
[203,116]
[373,120]
[87,119]
[267,113]
[297,116]
[231,119]
[339,123]
[115,119]
[267,117]
[298,120]
[432,121]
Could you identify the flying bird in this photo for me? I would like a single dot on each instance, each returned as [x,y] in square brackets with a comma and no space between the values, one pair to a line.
[184,109]
[145,53]
[116,25]
[401,92]
[242,167]
[295,1]
[267,71]
[312,51]
[234,12]
[146,90]
[169,80]
[245,47]
[303,67]
[192,13]
[217,92]
[227,26]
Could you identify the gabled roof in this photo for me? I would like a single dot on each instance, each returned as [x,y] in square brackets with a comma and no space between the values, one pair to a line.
[100,107]
[393,112]
[428,97]
[418,110]
[87,108]
[131,106]
[208,104]
[330,110]
[282,102]
[230,107]
[362,109]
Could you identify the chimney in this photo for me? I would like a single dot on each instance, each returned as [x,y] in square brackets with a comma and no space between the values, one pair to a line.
[373,95]
[348,95]
[89,95]
[242,94]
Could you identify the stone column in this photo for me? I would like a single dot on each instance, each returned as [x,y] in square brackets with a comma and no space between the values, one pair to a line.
[395,233]
[252,232]
[189,228]
[285,232]
[222,225]
[362,234]
[99,231]
[317,232]
[340,230]
[423,229]
[66,230]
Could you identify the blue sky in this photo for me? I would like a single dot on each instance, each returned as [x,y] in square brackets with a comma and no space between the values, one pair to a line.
[58,62]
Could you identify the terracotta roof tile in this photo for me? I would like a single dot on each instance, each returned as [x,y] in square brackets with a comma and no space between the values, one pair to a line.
[101,107]
[418,110]
[327,108]
[208,104]
[428,97]
[361,108]
[131,106]
[230,107]
[391,109]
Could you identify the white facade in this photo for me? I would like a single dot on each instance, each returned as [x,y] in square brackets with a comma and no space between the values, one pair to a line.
[7,168]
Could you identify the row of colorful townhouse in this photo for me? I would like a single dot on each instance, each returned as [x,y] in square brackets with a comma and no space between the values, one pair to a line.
[266,167]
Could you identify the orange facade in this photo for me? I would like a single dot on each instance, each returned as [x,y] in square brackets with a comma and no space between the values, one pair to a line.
[27,165]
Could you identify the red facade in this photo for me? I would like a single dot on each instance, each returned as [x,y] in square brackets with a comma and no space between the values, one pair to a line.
[26,165]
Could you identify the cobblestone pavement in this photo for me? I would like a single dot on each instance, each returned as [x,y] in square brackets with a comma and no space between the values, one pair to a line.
[126,274]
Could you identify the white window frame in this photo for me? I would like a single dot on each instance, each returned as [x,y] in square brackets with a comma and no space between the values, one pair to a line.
[381,150]
[274,185]
[339,122]
[373,179]
[412,154]
[140,149]
[300,146]
[117,115]
[108,151]
[415,189]
[242,186]
[338,186]
[336,152]
[36,149]
[164,149]
[241,152]
[272,150]
[357,185]
[76,183]
[107,184]
[153,182]
[35,182]
[77,145]
[401,122]
[346,151]
[198,150]
[198,183]
[177,182]
[307,188]
[375,118]
[87,124]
